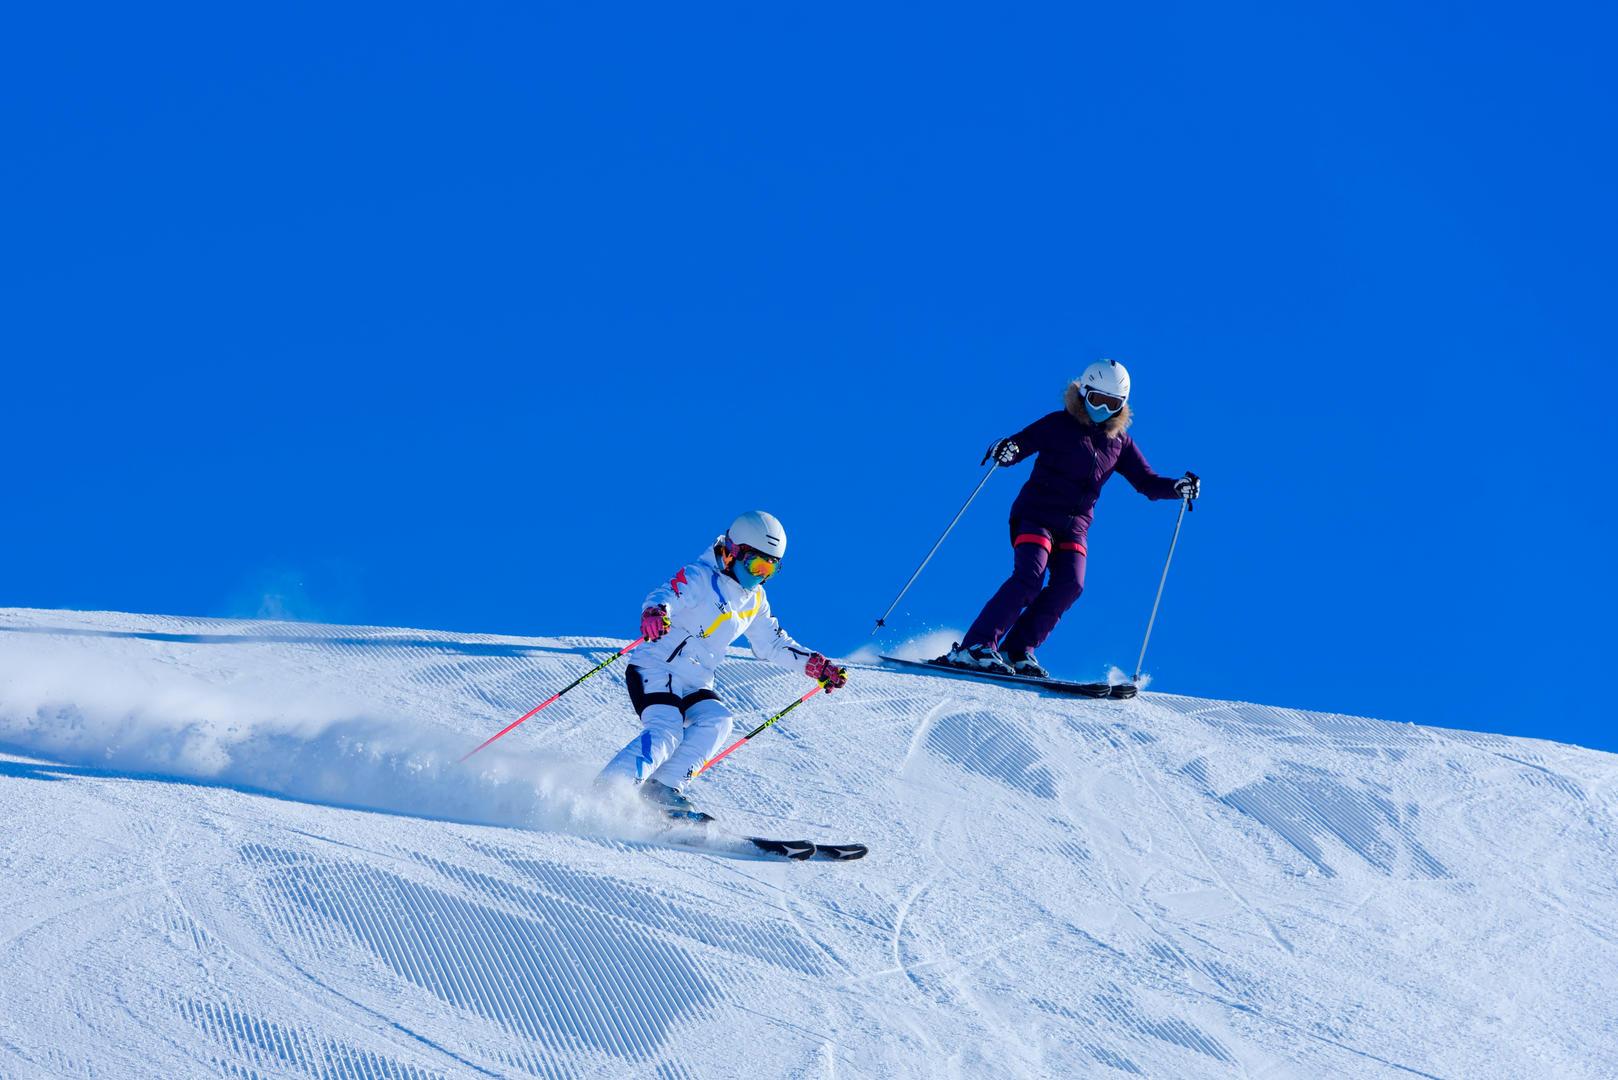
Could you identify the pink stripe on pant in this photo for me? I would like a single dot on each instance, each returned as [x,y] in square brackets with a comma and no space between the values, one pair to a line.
[1023,612]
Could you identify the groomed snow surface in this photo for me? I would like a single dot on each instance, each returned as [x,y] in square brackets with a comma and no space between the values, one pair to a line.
[246,849]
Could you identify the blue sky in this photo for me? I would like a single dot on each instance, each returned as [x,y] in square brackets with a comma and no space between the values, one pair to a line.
[486,318]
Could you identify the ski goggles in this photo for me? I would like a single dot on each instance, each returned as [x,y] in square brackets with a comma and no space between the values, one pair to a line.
[757,563]
[1104,401]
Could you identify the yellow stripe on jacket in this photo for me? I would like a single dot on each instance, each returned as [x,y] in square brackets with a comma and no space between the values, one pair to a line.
[758,600]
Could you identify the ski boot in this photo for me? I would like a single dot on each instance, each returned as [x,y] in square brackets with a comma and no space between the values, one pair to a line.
[978,658]
[671,802]
[1026,664]
[660,794]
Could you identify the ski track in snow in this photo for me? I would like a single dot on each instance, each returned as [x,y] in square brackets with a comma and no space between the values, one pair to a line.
[245,849]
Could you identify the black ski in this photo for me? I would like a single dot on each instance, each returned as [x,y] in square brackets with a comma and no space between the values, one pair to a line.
[796,850]
[806,849]
[841,852]
[1113,691]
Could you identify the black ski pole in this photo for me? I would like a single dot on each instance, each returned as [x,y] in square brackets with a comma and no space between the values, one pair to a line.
[1185,504]
[883,621]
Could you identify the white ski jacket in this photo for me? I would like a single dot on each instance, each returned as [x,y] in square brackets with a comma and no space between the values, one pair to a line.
[708,611]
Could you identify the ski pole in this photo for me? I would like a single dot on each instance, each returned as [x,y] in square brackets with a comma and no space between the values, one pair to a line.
[599,667]
[1185,504]
[711,762]
[883,621]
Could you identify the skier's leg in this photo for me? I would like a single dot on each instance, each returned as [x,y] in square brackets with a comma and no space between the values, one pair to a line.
[661,726]
[1032,549]
[659,735]
[707,726]
[1047,609]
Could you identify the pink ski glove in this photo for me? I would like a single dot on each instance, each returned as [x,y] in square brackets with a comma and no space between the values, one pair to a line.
[824,671]
[654,622]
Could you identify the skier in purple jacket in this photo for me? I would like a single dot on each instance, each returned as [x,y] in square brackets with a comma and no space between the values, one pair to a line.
[1078,448]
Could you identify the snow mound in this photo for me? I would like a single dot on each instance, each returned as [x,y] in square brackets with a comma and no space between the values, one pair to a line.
[247,848]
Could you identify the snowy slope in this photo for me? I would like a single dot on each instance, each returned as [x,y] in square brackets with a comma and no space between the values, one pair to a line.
[197,880]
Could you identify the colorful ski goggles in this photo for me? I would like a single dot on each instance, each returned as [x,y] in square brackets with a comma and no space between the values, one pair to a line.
[1106,402]
[760,565]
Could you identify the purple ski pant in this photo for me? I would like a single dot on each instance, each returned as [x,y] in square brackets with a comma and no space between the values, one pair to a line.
[1022,614]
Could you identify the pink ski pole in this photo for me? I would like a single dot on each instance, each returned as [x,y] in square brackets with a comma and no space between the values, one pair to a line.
[609,660]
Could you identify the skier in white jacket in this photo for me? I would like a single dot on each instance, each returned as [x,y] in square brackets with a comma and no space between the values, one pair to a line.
[688,623]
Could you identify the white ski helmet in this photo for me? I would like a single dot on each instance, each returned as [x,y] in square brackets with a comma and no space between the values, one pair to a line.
[759,531]
[1110,381]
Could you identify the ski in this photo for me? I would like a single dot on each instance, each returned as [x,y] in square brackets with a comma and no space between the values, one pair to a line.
[796,850]
[800,850]
[1100,690]
[841,852]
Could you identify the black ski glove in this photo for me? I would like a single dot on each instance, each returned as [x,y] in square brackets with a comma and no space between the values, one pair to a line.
[1189,486]
[1004,453]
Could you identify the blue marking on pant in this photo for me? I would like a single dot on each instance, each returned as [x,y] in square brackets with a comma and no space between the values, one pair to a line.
[645,758]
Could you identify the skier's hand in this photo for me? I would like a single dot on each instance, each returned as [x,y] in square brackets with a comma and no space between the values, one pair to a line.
[1004,452]
[654,622]
[825,672]
[1189,486]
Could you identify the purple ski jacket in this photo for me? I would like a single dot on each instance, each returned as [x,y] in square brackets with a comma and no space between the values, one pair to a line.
[1075,458]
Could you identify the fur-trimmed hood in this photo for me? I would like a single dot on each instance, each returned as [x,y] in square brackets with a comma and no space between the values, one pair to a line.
[1115,425]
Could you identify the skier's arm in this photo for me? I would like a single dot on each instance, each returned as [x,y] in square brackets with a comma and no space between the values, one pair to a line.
[1132,463]
[1027,442]
[769,642]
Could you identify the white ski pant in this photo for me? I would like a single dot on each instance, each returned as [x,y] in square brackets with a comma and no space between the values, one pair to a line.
[678,733]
